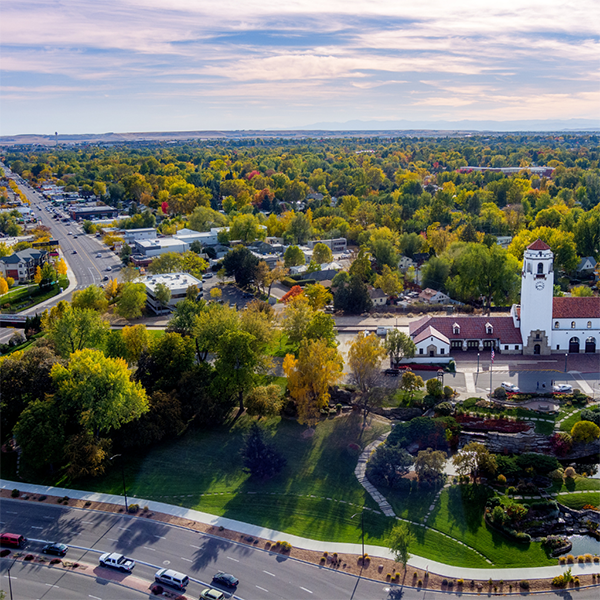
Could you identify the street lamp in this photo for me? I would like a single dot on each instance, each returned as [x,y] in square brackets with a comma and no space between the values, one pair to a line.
[566,356]
[362,528]
[123,474]
[478,362]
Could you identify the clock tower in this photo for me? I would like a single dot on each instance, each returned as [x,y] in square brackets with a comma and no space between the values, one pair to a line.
[537,291]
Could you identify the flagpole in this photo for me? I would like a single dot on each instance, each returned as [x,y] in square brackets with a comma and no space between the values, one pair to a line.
[491,365]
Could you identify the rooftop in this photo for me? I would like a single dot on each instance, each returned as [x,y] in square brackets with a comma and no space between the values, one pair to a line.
[576,308]
[174,281]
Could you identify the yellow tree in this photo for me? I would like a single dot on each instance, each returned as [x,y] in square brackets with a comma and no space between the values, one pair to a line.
[3,286]
[318,296]
[216,293]
[310,376]
[364,359]
[389,281]
[38,275]
[61,266]
[136,340]
[111,289]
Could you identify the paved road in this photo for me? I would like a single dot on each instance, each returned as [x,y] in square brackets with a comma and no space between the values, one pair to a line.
[87,267]
[262,575]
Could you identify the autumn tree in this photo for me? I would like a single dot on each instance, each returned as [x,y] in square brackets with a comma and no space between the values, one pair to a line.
[72,329]
[429,465]
[132,301]
[389,281]
[318,295]
[3,286]
[136,341]
[474,459]
[322,253]
[310,376]
[264,401]
[92,297]
[410,383]
[61,266]
[585,432]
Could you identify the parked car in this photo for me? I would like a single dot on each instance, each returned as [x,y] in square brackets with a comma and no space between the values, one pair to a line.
[55,548]
[382,330]
[509,387]
[172,578]
[14,540]
[117,561]
[562,388]
[74,252]
[391,372]
[98,255]
[105,278]
[226,579]
[210,594]
[207,276]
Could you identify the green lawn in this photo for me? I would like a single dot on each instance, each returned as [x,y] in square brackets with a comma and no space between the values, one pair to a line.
[459,513]
[568,423]
[27,296]
[578,501]
[577,483]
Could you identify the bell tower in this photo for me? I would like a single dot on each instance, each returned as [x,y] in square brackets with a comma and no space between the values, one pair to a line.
[537,291]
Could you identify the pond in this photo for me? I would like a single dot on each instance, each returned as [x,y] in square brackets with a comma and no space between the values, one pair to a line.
[584,544]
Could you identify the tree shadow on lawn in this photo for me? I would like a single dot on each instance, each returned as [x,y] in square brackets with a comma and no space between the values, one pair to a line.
[411,500]
[466,506]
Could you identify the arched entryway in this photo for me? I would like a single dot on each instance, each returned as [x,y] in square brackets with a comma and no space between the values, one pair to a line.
[537,349]
[590,345]
[574,345]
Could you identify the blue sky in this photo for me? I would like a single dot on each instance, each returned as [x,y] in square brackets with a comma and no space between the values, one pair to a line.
[77,66]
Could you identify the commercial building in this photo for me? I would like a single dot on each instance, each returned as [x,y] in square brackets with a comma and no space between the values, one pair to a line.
[177,283]
[21,266]
[156,247]
[83,213]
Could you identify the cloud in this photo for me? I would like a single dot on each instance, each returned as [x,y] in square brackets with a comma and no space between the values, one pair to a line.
[460,56]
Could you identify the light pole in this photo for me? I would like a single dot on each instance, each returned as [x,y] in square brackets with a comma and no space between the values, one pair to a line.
[9,580]
[123,474]
[362,528]
[566,356]
[478,362]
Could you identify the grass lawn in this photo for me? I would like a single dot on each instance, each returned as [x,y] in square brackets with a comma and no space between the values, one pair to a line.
[568,423]
[27,296]
[578,501]
[576,484]
[459,513]
[412,502]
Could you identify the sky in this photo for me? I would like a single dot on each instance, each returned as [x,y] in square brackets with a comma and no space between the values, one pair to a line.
[97,66]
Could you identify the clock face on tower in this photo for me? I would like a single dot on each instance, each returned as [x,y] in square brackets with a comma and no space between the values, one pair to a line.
[539,285]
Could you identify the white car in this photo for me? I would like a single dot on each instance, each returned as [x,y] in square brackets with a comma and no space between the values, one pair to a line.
[117,561]
[562,388]
[509,387]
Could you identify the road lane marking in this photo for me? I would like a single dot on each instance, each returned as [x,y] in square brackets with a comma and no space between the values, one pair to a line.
[123,528]
[263,589]
[162,537]
[197,547]
[6,577]
[234,559]
[148,548]
[10,512]
[112,539]
[186,559]
[94,597]
[36,527]
[88,522]
[51,585]
[267,572]
[305,590]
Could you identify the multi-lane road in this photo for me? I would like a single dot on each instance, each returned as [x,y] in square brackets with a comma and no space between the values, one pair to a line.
[86,265]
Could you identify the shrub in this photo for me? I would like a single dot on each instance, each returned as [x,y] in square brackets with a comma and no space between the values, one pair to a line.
[512,490]
[444,582]
[133,508]
[419,583]
[42,498]
[524,584]
[501,479]
[29,557]
[500,393]
[88,503]
[444,409]
[285,546]
[4,553]
[55,561]
[15,493]
[157,590]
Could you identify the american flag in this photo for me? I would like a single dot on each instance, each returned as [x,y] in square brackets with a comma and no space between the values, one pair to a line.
[493,354]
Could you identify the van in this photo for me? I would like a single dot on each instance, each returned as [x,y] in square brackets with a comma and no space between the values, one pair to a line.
[172,578]
[14,540]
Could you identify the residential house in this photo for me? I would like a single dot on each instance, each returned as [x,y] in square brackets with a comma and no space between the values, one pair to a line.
[22,265]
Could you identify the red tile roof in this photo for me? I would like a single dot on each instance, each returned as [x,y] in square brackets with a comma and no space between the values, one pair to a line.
[576,308]
[471,328]
[538,245]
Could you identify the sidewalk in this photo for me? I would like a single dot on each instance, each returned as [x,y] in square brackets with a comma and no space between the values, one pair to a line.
[39,308]
[300,542]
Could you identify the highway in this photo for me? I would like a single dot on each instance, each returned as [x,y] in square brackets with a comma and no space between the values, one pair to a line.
[154,545]
[86,265]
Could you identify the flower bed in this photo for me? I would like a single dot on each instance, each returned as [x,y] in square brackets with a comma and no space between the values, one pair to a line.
[469,423]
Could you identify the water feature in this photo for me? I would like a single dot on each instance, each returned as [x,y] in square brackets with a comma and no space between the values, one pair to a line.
[584,544]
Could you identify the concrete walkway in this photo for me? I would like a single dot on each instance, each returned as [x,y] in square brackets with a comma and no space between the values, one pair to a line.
[300,542]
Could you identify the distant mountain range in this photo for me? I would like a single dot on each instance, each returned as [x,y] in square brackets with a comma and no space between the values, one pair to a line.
[318,130]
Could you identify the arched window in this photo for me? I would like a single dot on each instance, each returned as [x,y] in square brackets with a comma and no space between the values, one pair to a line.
[572,324]
[589,324]
[528,267]
[556,324]
[540,268]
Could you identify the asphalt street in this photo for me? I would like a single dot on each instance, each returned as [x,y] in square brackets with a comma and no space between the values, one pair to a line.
[153,545]
[86,265]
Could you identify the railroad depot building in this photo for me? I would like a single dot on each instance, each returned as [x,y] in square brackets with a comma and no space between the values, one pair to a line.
[541,324]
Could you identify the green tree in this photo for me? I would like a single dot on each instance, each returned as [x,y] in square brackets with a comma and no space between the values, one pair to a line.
[299,229]
[429,465]
[92,297]
[169,262]
[399,345]
[132,301]
[353,297]
[136,340]
[582,291]
[474,460]
[246,228]
[388,465]
[435,273]
[322,254]
[389,281]
[264,401]
[98,391]
[242,264]
[162,293]
[260,459]
[125,254]
[410,383]
[293,257]
[204,219]
[73,329]
[399,542]
[47,276]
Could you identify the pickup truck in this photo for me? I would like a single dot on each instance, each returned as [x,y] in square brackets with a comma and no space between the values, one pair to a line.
[117,561]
